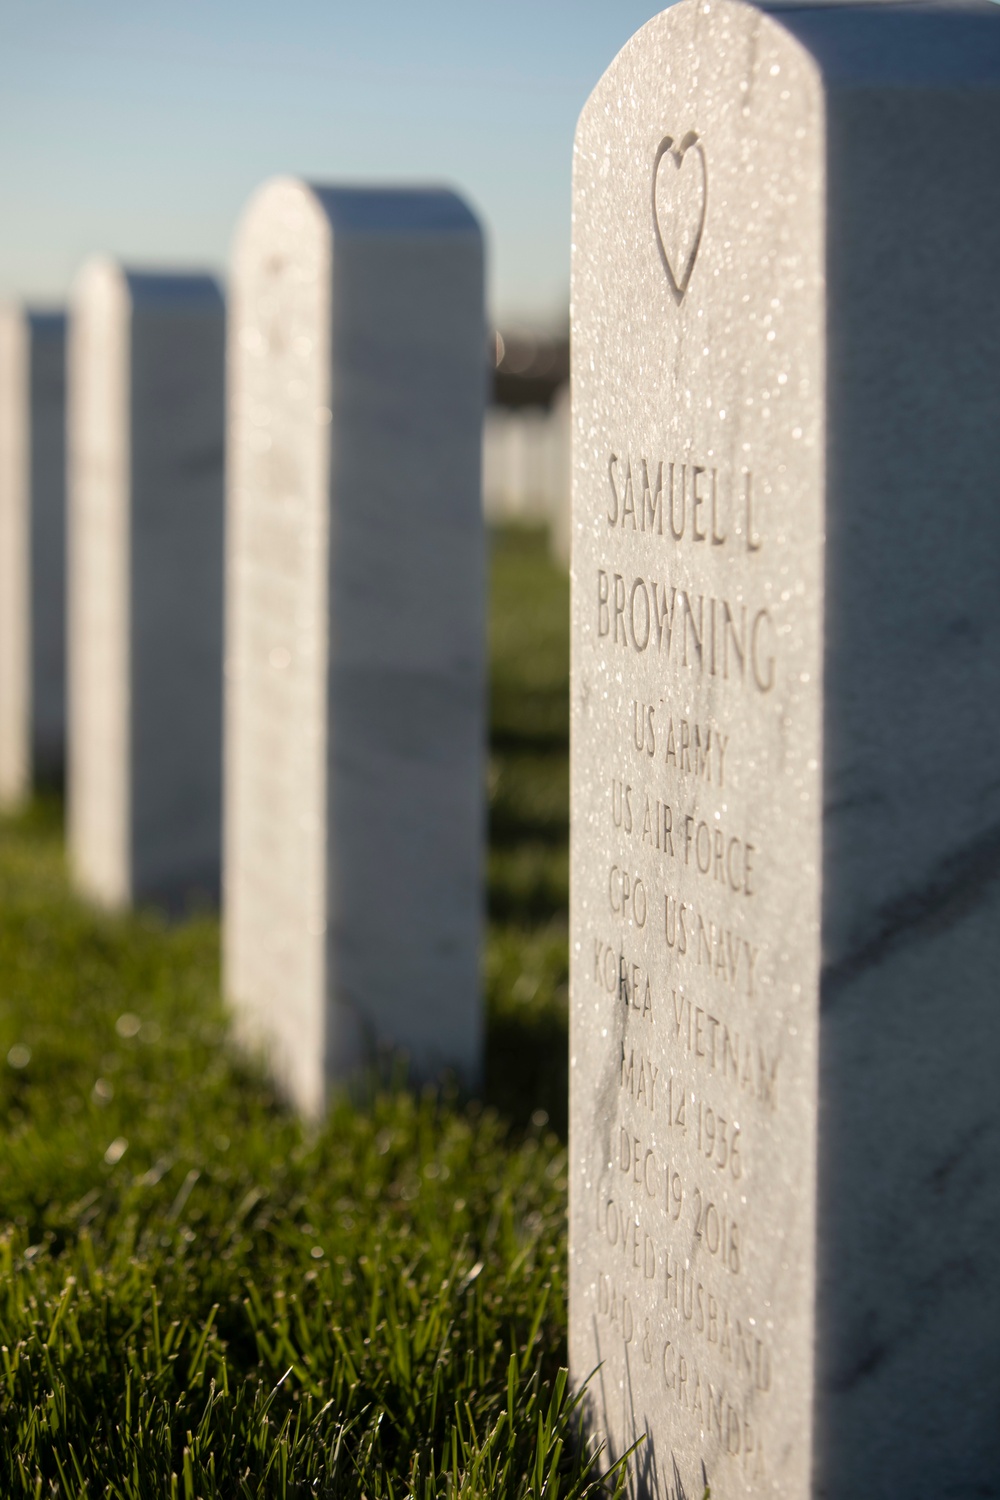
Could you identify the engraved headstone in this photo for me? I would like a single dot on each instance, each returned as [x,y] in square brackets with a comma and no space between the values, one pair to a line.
[145,574]
[32,550]
[785,909]
[355,633]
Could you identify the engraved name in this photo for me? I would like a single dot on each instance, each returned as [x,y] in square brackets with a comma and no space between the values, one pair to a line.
[683,500]
[700,632]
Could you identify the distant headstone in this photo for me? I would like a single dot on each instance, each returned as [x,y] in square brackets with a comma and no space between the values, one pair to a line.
[517,465]
[355,633]
[561,510]
[785,910]
[32,550]
[145,573]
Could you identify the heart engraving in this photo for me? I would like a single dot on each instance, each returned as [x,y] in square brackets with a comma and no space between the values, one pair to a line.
[680,200]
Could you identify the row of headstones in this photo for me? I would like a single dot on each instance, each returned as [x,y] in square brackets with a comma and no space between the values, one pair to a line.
[785,904]
[342,806]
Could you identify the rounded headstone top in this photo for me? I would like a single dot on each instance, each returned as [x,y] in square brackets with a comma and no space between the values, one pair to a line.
[40,319]
[151,288]
[349,209]
[852,42]
[100,277]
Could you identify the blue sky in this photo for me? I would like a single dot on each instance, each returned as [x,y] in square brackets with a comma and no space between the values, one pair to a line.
[141,128]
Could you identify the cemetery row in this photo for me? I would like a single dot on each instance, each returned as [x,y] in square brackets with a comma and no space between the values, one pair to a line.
[525,478]
[785,621]
[273,615]
[111,609]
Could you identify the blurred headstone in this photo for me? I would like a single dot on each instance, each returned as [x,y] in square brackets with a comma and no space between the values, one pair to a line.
[785,907]
[517,465]
[145,573]
[32,550]
[525,474]
[355,717]
[560,470]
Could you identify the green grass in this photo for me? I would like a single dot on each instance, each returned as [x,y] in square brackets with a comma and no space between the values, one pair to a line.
[201,1297]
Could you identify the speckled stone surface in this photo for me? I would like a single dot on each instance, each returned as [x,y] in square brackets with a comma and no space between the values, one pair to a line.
[32,549]
[355,704]
[785,845]
[145,576]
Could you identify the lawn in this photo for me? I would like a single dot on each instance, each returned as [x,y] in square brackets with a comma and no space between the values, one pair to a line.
[200,1297]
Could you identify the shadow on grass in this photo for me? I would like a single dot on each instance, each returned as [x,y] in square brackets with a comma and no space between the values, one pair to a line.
[526,1069]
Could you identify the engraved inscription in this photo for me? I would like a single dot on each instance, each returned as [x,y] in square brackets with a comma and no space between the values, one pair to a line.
[686,501]
[696,762]
[680,203]
[707,635]
[629,982]
[699,940]
[719,1140]
[638,1077]
[627,895]
[719,854]
[710,849]
[692,748]
[722,1049]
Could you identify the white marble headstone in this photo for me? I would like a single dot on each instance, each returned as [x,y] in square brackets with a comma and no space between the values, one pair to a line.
[145,576]
[32,550]
[785,907]
[355,694]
